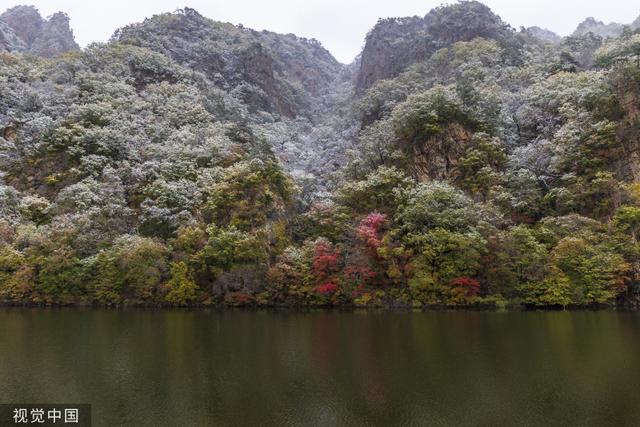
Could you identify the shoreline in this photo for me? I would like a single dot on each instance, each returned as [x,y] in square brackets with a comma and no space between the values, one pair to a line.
[346,308]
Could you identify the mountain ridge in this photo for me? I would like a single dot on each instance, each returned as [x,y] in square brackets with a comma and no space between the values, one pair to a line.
[259,58]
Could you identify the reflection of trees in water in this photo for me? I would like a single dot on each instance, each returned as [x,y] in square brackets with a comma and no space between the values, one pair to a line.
[271,368]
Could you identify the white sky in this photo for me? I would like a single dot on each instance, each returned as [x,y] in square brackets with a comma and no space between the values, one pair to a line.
[340,25]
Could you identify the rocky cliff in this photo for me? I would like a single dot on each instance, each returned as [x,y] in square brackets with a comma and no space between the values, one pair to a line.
[9,40]
[395,43]
[543,34]
[599,28]
[22,29]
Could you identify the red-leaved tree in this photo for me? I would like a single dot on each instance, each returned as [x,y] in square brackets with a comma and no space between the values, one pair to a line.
[325,260]
[369,229]
[466,285]
[359,274]
[326,288]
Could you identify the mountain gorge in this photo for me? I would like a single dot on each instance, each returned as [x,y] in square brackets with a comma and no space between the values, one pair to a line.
[456,162]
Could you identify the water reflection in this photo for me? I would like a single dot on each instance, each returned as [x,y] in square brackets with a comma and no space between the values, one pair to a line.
[347,368]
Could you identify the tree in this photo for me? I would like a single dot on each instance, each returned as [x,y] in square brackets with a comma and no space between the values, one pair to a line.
[517,258]
[378,191]
[369,229]
[555,290]
[597,274]
[627,220]
[436,205]
[132,270]
[325,260]
[181,287]
[619,49]
[443,257]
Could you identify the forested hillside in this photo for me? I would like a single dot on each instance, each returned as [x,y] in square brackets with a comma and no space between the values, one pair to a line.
[456,162]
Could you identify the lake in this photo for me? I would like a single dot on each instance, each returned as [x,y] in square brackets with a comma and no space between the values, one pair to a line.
[194,368]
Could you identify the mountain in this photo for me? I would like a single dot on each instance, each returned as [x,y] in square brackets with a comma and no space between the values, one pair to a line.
[187,161]
[22,29]
[543,34]
[273,72]
[599,28]
[395,43]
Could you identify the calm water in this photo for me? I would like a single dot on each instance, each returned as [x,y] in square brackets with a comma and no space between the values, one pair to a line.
[326,368]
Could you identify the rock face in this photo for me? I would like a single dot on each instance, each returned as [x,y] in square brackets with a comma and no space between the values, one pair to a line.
[9,41]
[56,37]
[543,34]
[25,21]
[22,29]
[599,28]
[391,46]
[395,43]
[272,72]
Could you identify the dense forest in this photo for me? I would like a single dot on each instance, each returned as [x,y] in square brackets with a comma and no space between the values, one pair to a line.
[457,162]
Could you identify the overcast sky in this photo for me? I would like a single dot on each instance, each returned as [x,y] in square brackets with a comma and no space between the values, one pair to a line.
[340,25]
